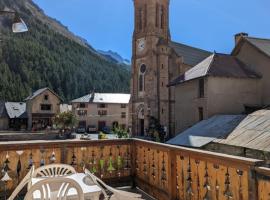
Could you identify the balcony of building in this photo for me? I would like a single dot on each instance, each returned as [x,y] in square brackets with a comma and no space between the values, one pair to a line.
[164,172]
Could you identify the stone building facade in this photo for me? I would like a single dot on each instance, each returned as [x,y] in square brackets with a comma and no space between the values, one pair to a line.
[156,61]
[100,111]
[231,84]
[218,85]
[41,107]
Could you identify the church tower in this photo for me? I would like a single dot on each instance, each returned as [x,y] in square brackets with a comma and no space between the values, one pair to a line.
[150,65]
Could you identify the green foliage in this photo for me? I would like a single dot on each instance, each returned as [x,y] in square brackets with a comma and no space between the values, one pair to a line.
[43,57]
[102,136]
[65,120]
[120,132]
[156,130]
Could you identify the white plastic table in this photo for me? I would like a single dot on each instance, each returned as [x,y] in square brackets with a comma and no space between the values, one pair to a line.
[90,191]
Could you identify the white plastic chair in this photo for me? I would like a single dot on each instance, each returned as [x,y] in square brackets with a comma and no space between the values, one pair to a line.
[21,185]
[113,193]
[54,170]
[55,188]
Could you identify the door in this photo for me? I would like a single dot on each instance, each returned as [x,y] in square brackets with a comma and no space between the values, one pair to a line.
[101,125]
[141,127]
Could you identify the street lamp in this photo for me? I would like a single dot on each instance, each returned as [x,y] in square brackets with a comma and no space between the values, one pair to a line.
[18,25]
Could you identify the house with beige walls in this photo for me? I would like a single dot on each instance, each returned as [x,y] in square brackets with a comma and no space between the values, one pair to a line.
[102,110]
[255,53]
[41,107]
[220,84]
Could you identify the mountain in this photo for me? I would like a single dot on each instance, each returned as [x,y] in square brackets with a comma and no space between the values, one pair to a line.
[115,57]
[49,55]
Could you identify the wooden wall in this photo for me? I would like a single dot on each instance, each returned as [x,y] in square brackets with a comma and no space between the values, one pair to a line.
[164,171]
[96,156]
[194,174]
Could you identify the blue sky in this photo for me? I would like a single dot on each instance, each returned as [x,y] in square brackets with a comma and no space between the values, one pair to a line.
[207,24]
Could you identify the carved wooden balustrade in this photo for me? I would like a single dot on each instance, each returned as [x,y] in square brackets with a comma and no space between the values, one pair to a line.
[166,172]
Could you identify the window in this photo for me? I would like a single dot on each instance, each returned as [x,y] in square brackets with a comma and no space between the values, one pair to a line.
[157,14]
[46,97]
[102,112]
[82,105]
[46,107]
[140,18]
[200,109]
[123,126]
[201,88]
[82,124]
[123,105]
[162,16]
[82,112]
[141,77]
[123,115]
[102,105]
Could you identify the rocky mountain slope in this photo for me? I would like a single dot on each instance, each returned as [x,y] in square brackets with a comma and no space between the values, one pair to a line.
[50,55]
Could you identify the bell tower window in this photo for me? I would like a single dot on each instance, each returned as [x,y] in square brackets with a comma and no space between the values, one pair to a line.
[140,19]
[162,17]
[141,77]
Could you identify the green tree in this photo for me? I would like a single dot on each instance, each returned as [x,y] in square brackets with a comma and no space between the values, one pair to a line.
[65,122]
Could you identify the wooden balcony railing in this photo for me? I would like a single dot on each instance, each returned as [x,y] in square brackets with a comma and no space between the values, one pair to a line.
[166,172]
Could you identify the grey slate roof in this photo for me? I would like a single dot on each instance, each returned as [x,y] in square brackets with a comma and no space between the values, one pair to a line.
[104,98]
[40,91]
[16,109]
[3,113]
[207,131]
[191,56]
[221,65]
[262,44]
[252,133]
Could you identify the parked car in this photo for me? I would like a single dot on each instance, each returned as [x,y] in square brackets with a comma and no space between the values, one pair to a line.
[81,130]
[106,130]
[91,129]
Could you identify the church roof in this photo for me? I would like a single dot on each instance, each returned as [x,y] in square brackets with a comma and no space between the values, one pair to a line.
[220,65]
[191,55]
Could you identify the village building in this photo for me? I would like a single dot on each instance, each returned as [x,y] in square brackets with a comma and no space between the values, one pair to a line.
[239,135]
[100,111]
[220,84]
[41,107]
[4,120]
[156,61]
[17,115]
[255,52]
[224,84]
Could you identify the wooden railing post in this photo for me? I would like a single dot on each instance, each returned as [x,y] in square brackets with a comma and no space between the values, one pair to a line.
[252,185]
[172,174]
[63,158]
[133,162]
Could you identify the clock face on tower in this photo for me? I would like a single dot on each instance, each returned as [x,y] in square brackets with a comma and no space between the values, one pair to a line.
[141,44]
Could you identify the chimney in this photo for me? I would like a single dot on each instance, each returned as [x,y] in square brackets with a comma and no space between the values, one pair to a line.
[238,37]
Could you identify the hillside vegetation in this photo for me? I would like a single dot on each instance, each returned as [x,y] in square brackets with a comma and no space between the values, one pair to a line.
[48,57]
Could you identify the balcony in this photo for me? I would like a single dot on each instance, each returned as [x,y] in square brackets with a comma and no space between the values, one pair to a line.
[163,171]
